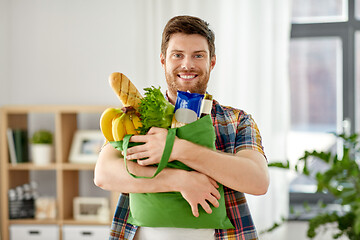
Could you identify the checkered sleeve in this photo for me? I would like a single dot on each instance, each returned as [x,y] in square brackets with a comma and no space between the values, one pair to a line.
[248,134]
[120,229]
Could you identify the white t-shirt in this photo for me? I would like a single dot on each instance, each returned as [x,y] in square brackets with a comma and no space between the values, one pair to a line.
[150,233]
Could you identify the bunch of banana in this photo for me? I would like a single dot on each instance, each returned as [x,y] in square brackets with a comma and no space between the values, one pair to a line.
[115,123]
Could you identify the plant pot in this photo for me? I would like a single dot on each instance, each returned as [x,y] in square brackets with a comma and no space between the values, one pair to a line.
[41,154]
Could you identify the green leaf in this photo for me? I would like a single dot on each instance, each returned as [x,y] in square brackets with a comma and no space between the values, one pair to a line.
[357,222]
[342,180]
[155,110]
[280,164]
[319,220]
[274,226]
[42,137]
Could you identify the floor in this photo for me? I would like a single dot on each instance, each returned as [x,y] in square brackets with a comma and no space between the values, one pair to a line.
[296,230]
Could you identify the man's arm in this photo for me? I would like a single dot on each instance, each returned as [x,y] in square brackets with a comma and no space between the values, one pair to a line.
[196,188]
[245,171]
[110,174]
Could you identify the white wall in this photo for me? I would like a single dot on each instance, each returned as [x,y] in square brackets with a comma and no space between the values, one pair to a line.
[4,53]
[62,52]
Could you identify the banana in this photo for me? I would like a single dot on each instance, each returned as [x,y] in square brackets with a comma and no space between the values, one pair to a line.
[129,126]
[136,121]
[118,128]
[106,122]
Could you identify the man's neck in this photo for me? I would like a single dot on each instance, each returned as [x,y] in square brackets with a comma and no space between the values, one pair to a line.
[170,98]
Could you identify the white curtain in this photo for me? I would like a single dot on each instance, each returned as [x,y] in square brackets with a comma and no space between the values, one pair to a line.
[72,46]
[252,39]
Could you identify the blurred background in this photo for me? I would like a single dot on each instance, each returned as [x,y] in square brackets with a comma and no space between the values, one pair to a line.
[293,65]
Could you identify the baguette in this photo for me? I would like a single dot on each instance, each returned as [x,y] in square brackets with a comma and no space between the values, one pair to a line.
[125,90]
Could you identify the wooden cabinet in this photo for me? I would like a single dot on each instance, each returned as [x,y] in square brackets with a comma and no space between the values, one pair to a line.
[65,121]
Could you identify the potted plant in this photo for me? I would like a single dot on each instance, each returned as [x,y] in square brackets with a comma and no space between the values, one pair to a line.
[42,147]
[342,180]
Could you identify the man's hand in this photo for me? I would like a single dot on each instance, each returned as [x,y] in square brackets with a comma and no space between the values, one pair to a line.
[200,189]
[153,148]
[196,188]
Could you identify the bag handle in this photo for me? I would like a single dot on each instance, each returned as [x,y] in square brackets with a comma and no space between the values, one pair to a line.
[170,138]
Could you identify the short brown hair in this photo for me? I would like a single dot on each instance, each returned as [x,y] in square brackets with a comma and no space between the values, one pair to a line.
[188,25]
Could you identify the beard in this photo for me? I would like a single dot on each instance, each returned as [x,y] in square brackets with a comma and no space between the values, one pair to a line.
[199,85]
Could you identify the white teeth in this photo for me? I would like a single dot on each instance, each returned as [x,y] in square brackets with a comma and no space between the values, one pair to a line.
[187,76]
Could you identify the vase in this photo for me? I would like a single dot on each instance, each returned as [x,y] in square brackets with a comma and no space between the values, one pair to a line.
[41,154]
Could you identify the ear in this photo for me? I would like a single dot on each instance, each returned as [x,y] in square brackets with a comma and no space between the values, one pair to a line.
[212,62]
[162,60]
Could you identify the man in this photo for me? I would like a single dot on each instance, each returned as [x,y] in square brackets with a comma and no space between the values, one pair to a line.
[188,57]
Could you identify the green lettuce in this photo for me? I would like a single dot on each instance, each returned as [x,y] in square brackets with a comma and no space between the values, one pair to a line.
[155,110]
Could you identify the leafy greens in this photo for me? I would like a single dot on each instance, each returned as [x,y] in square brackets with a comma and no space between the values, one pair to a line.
[155,110]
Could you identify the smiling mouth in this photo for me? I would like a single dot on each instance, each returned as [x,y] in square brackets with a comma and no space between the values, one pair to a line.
[187,76]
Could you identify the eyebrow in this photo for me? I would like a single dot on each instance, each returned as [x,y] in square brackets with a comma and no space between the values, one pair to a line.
[198,51]
[201,51]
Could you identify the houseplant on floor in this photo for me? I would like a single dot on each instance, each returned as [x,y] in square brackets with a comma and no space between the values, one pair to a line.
[342,180]
[42,147]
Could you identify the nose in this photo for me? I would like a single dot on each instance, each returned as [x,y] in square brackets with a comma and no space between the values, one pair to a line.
[187,63]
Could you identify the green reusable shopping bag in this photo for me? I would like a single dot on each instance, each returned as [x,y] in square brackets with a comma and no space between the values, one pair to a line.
[170,209]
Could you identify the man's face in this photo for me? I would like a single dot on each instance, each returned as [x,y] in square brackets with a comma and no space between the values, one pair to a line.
[187,64]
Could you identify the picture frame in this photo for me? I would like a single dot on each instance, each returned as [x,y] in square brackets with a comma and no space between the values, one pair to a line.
[86,146]
[91,209]
[45,208]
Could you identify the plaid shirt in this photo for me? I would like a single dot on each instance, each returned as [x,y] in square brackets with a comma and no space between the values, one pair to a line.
[235,130]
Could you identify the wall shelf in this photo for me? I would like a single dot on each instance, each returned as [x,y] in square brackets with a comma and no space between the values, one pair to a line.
[65,122]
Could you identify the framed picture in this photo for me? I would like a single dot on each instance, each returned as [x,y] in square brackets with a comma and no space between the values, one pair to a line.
[86,146]
[91,209]
[45,208]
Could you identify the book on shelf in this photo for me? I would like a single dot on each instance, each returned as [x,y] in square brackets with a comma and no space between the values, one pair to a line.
[18,145]
[11,145]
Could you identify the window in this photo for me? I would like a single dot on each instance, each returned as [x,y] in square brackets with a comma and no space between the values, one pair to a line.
[325,45]
[316,96]
[319,11]
[315,71]
[357,84]
[324,78]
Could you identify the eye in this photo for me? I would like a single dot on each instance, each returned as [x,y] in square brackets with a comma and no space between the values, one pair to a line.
[199,56]
[177,55]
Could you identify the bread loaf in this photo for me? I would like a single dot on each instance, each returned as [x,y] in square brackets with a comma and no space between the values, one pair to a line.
[125,90]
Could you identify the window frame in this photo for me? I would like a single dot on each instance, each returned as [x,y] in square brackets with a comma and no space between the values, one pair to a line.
[346,32]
